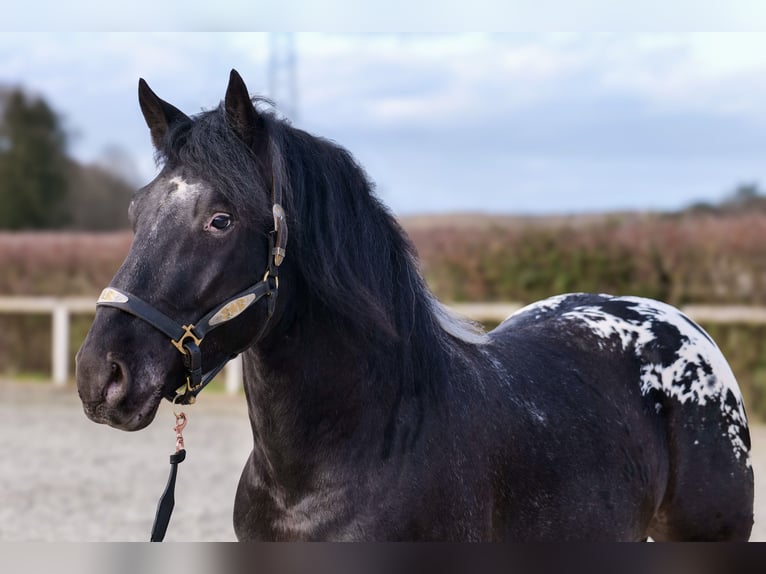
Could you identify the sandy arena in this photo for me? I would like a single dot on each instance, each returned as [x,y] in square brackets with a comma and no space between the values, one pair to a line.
[64,478]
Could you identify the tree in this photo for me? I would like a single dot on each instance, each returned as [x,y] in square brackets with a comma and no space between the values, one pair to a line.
[746,197]
[33,165]
[99,199]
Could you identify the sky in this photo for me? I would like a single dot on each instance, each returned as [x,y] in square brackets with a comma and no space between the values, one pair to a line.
[523,122]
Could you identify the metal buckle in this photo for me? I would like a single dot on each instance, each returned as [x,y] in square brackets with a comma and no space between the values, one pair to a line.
[188,334]
[187,393]
[189,390]
[266,279]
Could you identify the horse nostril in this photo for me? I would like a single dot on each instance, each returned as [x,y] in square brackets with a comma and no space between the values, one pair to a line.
[116,372]
[116,387]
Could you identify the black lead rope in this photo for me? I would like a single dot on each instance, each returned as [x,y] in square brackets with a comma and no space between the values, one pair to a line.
[168,500]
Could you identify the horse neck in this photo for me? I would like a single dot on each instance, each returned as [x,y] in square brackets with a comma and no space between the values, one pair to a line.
[357,341]
[318,393]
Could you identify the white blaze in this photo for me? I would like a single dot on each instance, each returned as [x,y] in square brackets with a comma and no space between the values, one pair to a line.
[184,191]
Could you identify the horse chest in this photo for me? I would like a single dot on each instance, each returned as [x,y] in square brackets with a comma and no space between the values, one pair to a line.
[387,504]
[263,512]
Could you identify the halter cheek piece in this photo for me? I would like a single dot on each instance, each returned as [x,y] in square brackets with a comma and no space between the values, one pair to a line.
[188,338]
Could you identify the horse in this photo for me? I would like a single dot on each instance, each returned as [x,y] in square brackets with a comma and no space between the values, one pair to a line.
[376,413]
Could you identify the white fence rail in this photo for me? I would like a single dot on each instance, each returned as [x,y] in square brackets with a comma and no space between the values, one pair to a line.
[62,308]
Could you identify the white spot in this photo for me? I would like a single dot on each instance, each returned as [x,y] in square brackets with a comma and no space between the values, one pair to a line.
[684,379]
[537,414]
[180,197]
[606,325]
[539,307]
[184,192]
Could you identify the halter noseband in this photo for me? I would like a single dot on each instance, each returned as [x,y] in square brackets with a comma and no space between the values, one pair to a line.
[187,338]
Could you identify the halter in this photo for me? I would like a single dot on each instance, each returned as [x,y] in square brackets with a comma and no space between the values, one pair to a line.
[186,339]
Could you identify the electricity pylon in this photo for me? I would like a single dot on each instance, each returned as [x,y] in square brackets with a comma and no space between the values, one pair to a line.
[283,84]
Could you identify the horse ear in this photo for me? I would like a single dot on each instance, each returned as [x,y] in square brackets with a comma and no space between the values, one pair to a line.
[243,117]
[159,114]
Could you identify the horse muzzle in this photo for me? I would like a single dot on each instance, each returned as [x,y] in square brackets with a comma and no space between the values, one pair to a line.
[111,392]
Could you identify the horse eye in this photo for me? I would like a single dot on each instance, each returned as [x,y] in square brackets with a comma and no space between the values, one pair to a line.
[220,222]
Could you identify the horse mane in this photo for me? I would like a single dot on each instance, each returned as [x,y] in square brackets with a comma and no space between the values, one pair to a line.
[351,249]
[351,253]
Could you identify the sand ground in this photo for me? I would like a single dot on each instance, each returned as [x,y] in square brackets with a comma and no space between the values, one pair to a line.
[64,478]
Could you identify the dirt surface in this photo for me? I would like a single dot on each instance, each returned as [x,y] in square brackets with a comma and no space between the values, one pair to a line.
[64,478]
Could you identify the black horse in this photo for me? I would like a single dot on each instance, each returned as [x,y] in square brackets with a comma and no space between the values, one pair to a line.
[376,414]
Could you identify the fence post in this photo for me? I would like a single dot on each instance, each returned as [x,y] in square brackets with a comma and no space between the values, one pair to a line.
[60,355]
[233,374]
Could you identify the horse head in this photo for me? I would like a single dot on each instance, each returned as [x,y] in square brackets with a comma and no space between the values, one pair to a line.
[207,231]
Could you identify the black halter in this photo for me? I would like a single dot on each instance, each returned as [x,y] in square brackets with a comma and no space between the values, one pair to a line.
[188,338]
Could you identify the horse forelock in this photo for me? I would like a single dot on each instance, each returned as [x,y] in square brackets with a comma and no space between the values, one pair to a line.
[206,148]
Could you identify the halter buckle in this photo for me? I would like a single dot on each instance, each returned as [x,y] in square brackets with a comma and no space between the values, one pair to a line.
[266,277]
[191,389]
[188,334]
[187,393]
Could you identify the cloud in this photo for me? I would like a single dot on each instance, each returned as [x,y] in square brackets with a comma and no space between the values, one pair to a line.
[437,79]
[722,74]
[523,119]
[394,80]
[583,16]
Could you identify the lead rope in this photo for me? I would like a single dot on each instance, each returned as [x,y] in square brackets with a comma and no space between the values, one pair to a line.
[167,500]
